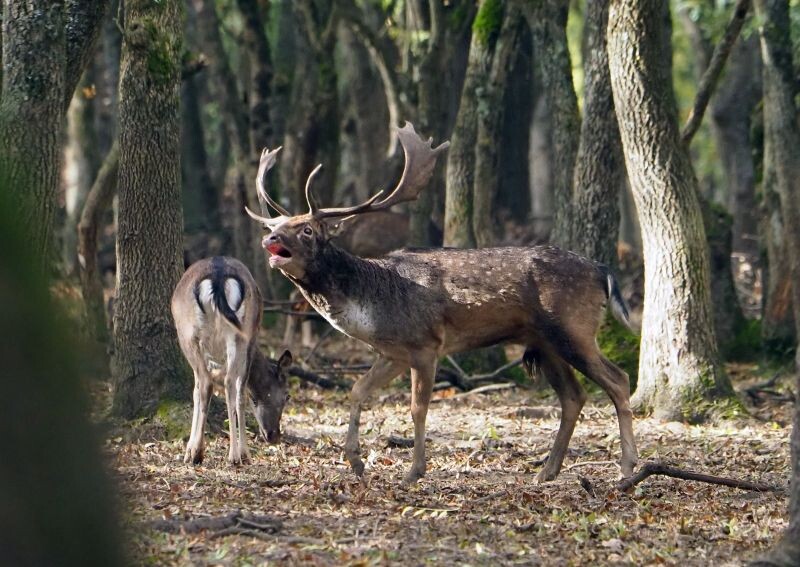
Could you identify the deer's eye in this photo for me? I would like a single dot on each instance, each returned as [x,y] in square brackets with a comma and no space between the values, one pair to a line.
[307,231]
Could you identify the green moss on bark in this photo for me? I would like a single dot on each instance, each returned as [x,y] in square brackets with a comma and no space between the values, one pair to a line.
[621,347]
[487,21]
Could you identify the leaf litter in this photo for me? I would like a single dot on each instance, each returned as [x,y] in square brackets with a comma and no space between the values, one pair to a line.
[479,503]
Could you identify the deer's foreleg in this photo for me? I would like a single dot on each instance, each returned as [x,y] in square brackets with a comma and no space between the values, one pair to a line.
[423,371]
[381,373]
[202,394]
[235,378]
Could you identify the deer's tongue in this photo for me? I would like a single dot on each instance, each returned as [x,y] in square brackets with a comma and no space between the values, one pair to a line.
[276,259]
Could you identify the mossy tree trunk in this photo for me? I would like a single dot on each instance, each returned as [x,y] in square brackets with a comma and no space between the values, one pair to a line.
[548,21]
[600,167]
[782,144]
[148,366]
[31,111]
[679,371]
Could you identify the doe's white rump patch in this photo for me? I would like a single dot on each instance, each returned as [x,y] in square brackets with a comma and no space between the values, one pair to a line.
[233,294]
[206,292]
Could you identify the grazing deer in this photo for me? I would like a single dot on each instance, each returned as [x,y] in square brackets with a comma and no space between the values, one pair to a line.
[217,310]
[416,305]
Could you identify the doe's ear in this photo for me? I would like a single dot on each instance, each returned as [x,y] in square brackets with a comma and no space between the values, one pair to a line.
[285,361]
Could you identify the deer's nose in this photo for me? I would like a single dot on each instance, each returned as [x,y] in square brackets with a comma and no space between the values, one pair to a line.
[270,239]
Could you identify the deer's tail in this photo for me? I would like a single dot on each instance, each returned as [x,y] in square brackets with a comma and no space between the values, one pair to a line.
[619,308]
[221,291]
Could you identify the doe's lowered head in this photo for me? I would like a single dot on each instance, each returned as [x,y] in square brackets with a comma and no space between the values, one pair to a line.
[269,391]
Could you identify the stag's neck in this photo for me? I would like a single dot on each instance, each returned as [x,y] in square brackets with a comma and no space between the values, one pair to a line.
[345,289]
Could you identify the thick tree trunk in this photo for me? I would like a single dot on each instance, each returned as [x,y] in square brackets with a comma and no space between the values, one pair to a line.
[31,111]
[461,155]
[489,148]
[97,203]
[148,365]
[540,157]
[260,63]
[679,368]
[600,167]
[548,21]
[782,144]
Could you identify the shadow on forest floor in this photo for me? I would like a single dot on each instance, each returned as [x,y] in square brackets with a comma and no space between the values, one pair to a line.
[479,504]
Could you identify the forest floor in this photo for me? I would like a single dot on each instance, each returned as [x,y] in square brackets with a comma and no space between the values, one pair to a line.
[479,503]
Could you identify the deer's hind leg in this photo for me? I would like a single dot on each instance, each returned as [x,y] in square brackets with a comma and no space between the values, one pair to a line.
[235,380]
[381,373]
[571,397]
[195,448]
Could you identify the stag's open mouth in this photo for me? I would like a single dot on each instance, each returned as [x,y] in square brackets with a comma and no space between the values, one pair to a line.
[279,254]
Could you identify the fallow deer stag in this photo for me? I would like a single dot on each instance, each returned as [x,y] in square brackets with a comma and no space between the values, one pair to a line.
[416,305]
[217,310]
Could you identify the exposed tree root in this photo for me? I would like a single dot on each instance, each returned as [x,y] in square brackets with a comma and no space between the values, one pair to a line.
[650,469]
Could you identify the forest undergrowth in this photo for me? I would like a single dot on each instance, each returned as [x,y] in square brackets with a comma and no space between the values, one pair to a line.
[479,503]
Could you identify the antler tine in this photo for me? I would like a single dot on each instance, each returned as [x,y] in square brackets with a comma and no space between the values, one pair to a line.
[268,159]
[420,159]
[313,207]
[266,222]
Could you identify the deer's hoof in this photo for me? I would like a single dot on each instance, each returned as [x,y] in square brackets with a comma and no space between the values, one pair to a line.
[413,476]
[546,475]
[357,465]
[193,455]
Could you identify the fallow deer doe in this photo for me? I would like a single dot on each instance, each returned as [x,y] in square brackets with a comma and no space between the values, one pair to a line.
[416,305]
[217,310]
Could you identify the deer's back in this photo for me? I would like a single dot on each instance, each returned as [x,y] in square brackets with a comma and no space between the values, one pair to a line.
[477,297]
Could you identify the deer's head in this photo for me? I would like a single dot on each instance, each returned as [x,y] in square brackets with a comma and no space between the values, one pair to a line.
[268,385]
[296,240]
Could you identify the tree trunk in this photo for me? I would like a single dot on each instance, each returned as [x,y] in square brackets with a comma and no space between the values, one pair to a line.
[599,170]
[31,111]
[782,144]
[541,169]
[81,163]
[679,368]
[731,111]
[491,112]
[97,203]
[548,21]
[461,154]
[148,366]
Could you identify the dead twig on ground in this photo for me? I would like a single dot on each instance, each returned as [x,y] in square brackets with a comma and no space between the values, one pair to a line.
[650,469]
[236,520]
[480,390]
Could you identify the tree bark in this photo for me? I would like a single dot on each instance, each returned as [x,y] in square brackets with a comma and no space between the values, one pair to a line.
[148,366]
[31,111]
[548,21]
[97,203]
[461,154]
[782,144]
[679,368]
[81,162]
[599,170]
[83,20]
[491,112]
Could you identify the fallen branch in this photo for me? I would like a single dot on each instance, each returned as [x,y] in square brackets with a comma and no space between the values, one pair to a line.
[661,469]
[316,379]
[481,390]
[233,521]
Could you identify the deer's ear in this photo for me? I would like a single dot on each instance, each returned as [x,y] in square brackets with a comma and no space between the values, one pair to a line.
[285,361]
[339,226]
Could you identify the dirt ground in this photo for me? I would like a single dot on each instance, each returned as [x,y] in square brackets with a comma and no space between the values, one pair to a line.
[479,503]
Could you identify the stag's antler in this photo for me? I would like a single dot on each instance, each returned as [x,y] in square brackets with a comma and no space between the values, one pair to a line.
[420,160]
[268,159]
